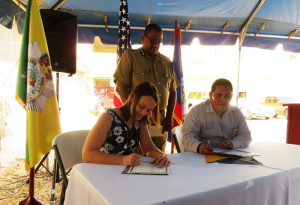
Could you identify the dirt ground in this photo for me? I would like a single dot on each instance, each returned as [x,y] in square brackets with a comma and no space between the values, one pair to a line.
[14,187]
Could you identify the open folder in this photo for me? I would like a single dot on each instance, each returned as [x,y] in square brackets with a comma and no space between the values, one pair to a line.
[232,157]
[146,168]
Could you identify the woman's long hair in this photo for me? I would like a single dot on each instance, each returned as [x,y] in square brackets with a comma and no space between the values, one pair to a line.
[143,89]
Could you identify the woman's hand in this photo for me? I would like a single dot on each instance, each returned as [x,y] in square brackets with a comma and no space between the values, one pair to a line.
[132,159]
[161,161]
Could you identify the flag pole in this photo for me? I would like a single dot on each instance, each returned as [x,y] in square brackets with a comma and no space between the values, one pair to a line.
[31,200]
[172,144]
[175,32]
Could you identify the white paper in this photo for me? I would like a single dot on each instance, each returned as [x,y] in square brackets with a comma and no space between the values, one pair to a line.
[236,152]
[147,168]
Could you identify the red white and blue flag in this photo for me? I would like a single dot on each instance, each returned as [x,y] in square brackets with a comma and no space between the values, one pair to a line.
[123,39]
[180,103]
[124,29]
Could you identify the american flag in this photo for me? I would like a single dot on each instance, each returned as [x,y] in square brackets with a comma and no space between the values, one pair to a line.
[124,29]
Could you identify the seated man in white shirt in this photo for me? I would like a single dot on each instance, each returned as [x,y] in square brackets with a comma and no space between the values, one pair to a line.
[215,123]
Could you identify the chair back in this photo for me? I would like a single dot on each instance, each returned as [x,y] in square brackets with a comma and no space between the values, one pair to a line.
[68,146]
[177,136]
[68,152]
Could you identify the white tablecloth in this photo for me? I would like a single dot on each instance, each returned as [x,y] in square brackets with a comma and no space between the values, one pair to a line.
[192,181]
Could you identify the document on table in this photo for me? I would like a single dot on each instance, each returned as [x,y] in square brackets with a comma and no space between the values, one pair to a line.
[146,168]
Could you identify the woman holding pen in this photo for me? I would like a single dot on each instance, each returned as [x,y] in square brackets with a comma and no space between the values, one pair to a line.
[120,130]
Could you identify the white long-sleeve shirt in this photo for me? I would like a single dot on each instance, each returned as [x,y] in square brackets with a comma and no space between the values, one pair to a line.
[202,124]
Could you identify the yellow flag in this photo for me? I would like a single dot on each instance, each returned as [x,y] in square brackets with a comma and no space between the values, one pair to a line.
[43,122]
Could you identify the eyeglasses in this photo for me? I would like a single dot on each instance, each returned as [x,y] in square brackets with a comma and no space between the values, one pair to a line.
[153,41]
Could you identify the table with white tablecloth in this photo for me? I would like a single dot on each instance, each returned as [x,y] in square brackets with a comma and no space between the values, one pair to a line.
[192,181]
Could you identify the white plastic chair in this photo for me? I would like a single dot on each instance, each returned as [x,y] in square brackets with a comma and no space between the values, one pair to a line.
[68,152]
[177,137]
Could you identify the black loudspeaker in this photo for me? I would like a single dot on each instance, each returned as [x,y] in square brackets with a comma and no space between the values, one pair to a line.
[61,33]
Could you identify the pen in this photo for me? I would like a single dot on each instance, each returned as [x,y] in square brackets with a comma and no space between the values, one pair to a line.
[211,149]
[130,147]
[208,142]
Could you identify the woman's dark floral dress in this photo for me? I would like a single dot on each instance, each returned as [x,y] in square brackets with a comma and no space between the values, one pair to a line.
[120,140]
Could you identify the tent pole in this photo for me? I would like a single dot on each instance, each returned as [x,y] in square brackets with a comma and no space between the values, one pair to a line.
[242,35]
[191,31]
[238,77]
[58,4]
[245,27]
